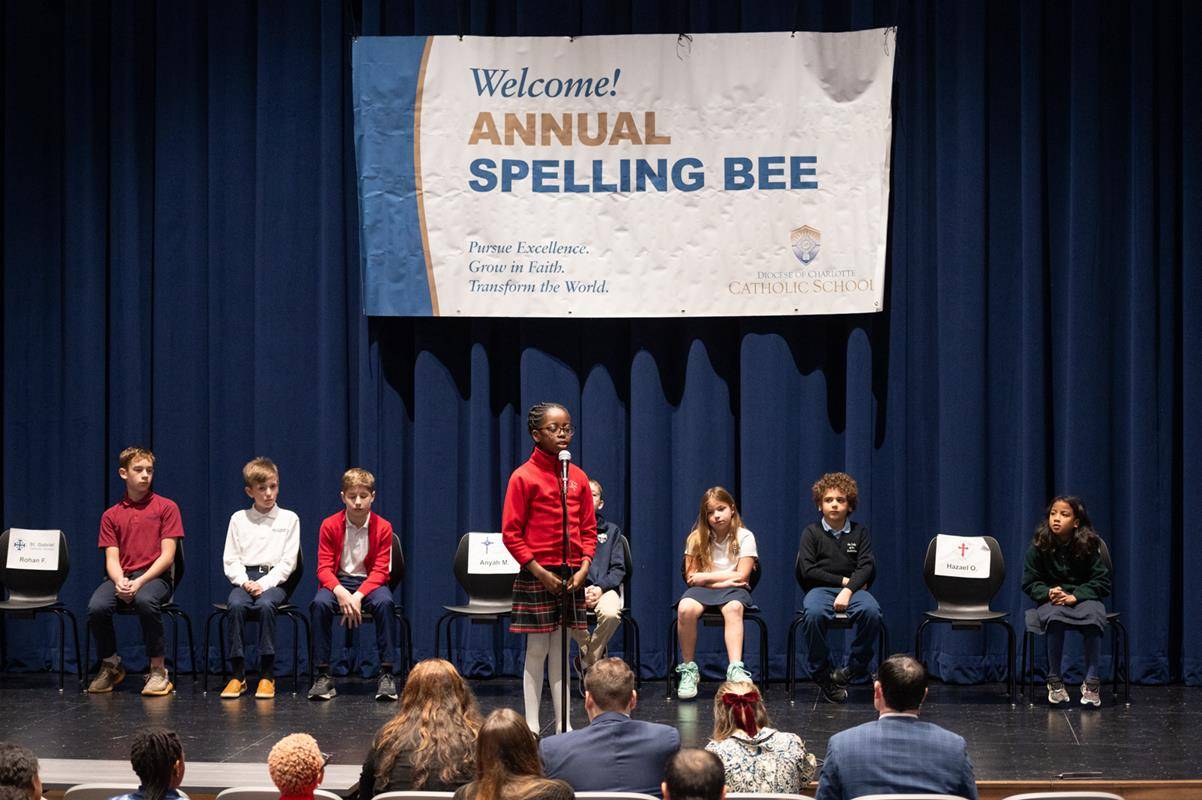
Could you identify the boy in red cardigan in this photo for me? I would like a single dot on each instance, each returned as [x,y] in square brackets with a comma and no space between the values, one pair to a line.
[354,552]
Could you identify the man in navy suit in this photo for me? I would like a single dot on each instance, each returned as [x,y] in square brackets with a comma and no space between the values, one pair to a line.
[614,753]
[897,753]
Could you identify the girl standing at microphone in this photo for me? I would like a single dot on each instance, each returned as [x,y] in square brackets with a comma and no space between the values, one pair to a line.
[532,529]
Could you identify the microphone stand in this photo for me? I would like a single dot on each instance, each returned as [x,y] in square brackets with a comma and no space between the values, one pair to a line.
[566,605]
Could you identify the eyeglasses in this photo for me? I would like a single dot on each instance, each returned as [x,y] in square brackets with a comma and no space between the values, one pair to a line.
[325,758]
[555,428]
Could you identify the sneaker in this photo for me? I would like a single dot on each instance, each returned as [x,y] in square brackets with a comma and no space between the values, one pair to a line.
[266,689]
[157,683]
[386,687]
[735,673]
[323,687]
[690,676]
[234,689]
[1057,694]
[110,675]
[1091,692]
[831,691]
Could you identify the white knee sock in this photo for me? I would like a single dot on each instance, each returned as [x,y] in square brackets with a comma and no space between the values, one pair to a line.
[537,645]
[555,674]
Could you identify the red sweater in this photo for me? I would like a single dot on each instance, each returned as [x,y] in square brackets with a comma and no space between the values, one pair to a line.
[379,551]
[532,520]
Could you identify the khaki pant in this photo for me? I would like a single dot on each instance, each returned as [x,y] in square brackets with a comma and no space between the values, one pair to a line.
[609,614]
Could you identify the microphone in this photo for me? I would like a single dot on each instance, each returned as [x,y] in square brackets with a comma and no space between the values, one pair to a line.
[565,458]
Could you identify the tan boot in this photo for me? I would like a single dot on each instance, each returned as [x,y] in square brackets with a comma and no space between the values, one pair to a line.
[157,683]
[110,675]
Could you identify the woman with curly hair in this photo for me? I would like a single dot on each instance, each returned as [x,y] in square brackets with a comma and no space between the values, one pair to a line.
[430,744]
[757,757]
[1064,573]
[507,764]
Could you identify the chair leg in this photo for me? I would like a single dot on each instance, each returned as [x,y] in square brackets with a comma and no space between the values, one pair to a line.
[1126,661]
[670,658]
[174,643]
[304,619]
[295,653]
[791,658]
[1023,686]
[922,626]
[75,637]
[86,667]
[207,640]
[1009,660]
[638,653]
[765,678]
[62,649]
[191,646]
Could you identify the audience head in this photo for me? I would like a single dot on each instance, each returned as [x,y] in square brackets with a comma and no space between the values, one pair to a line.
[19,769]
[506,756]
[437,723]
[158,760]
[16,793]
[609,686]
[693,774]
[296,764]
[738,706]
[901,684]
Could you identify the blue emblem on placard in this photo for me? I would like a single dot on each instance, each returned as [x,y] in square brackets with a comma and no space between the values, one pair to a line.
[806,242]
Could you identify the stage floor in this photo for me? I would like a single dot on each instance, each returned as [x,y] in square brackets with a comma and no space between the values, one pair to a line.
[1153,739]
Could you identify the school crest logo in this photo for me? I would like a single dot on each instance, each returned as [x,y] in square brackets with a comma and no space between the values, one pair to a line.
[602,538]
[852,548]
[806,242]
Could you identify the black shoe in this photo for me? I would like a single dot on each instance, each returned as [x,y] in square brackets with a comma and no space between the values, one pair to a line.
[322,688]
[845,676]
[832,692]
[386,687]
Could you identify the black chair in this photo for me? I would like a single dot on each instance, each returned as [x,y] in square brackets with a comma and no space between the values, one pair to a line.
[628,621]
[35,591]
[1118,638]
[712,618]
[489,596]
[842,621]
[286,609]
[169,609]
[396,573]
[963,603]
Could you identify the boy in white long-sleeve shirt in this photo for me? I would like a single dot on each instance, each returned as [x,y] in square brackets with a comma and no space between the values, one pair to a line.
[261,549]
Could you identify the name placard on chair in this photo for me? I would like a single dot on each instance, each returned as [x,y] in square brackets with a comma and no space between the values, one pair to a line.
[961,556]
[32,549]
[487,555]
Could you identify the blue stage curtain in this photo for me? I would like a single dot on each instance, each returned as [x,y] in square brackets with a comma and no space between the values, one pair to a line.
[181,269]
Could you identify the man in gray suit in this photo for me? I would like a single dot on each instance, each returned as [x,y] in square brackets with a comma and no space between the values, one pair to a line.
[614,753]
[897,753]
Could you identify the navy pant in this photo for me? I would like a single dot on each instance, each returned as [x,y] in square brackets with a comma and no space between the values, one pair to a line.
[262,608]
[865,617]
[148,603]
[324,608]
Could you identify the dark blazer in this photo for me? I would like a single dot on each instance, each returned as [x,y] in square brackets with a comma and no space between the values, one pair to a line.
[608,569]
[613,754]
[897,754]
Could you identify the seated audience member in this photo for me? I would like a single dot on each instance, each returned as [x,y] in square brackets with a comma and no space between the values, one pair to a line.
[158,760]
[694,774]
[296,766]
[430,744]
[756,757]
[19,769]
[15,793]
[614,753]
[898,753]
[507,765]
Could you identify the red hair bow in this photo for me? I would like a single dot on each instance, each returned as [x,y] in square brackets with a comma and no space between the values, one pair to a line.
[742,708]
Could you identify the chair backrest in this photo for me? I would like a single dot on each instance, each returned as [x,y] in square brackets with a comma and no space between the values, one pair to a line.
[33,585]
[766,796]
[1064,795]
[297,574]
[482,588]
[177,566]
[1104,551]
[954,593]
[396,567]
[624,589]
[415,795]
[265,793]
[105,791]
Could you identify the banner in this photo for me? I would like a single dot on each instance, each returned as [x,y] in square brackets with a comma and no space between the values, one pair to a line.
[624,176]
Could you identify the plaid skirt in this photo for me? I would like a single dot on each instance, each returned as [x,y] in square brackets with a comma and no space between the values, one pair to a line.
[535,610]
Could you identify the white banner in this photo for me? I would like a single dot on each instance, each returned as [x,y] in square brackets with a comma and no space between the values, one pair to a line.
[624,176]
[962,556]
[487,555]
[29,549]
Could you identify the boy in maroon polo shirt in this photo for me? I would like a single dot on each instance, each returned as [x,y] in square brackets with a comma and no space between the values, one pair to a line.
[138,537]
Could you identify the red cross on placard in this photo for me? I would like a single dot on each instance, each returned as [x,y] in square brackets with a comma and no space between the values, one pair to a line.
[963,549]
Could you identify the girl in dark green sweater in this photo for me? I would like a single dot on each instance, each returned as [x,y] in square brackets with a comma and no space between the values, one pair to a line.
[1065,573]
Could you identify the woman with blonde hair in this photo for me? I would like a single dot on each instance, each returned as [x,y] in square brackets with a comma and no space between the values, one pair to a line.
[431,742]
[757,757]
[507,764]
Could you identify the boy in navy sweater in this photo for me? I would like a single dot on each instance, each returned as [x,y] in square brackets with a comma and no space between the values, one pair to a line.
[837,568]
[605,576]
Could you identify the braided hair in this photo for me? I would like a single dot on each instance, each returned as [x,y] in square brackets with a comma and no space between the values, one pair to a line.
[538,415]
[154,754]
